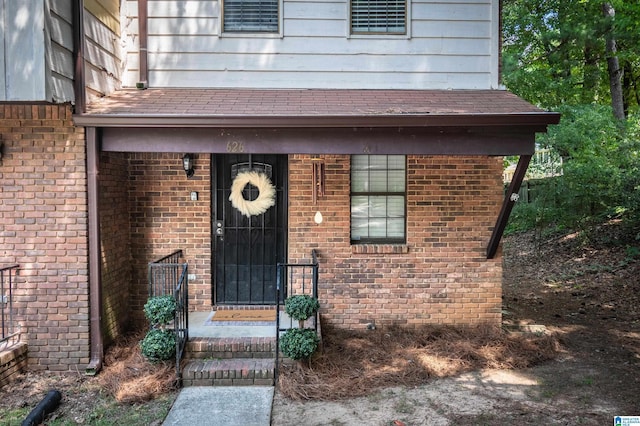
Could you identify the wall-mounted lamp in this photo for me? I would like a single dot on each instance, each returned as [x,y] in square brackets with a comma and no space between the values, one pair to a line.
[187,164]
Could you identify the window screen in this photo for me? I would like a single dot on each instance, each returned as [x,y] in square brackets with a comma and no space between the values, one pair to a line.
[250,16]
[378,194]
[378,16]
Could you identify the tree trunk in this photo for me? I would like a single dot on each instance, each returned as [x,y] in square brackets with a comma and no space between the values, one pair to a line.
[590,73]
[615,74]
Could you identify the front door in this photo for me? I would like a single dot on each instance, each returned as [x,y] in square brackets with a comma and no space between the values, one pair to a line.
[249,231]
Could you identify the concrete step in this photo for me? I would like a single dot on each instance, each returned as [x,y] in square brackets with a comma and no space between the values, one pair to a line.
[230,347]
[229,372]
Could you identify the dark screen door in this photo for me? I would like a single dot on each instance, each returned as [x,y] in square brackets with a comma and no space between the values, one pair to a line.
[247,249]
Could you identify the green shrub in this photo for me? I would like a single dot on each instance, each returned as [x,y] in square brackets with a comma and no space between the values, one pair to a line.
[601,171]
[159,345]
[160,310]
[298,343]
[301,307]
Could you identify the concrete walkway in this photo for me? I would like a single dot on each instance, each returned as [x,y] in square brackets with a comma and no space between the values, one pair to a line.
[223,405]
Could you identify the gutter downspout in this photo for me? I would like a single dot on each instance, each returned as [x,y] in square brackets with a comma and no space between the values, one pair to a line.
[143,19]
[78,57]
[95,275]
[91,140]
[509,201]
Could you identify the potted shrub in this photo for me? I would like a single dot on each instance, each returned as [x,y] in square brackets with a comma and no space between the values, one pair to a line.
[301,307]
[299,343]
[159,344]
[160,310]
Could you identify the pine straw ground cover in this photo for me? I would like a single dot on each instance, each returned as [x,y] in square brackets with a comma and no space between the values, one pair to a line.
[130,377]
[356,363]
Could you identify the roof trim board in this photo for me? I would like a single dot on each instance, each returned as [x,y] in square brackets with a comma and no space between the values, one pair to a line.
[371,140]
[538,120]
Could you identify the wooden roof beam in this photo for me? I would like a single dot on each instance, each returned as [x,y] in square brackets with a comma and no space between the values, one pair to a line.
[509,200]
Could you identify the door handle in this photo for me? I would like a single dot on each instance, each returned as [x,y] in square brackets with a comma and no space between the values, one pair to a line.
[219,229]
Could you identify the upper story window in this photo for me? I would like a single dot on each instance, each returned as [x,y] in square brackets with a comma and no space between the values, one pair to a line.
[378,16]
[378,198]
[253,16]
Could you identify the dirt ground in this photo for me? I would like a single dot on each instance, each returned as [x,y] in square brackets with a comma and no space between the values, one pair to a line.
[584,291]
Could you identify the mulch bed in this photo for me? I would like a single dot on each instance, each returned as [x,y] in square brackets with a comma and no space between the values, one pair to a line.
[356,363]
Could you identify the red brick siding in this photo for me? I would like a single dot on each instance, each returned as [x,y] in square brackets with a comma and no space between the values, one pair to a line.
[164,219]
[440,276]
[115,245]
[43,228]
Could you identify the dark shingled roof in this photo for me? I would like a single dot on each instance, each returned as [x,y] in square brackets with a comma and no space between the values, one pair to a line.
[302,107]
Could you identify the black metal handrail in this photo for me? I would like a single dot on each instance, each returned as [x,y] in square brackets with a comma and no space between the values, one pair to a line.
[10,331]
[169,275]
[293,279]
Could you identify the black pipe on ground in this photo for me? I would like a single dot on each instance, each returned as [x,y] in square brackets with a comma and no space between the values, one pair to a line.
[46,406]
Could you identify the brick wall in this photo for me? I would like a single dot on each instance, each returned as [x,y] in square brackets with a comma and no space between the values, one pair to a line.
[43,228]
[114,244]
[164,219]
[440,276]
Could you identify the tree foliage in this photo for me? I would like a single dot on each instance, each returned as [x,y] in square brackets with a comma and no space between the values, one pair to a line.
[601,171]
[556,54]
[554,51]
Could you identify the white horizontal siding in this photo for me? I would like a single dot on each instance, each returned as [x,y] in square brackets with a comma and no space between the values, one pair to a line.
[314,46]
[452,44]
[61,61]
[303,80]
[60,51]
[102,51]
[183,26]
[61,32]
[315,63]
[462,12]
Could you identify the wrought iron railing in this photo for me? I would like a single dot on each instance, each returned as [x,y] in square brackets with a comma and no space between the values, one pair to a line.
[10,328]
[294,279]
[169,275]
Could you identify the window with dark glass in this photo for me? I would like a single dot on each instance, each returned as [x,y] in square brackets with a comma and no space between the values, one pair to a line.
[378,198]
[250,16]
[378,17]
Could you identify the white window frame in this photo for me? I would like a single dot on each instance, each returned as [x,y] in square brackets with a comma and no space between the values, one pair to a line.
[381,35]
[371,193]
[252,34]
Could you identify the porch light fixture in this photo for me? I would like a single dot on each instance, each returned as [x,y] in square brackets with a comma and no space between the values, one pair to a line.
[187,164]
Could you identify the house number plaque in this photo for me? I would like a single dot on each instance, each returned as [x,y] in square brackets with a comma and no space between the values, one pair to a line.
[235,146]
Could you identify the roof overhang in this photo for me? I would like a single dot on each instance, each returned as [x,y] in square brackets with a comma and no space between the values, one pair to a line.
[439,122]
[456,122]
[328,140]
[536,121]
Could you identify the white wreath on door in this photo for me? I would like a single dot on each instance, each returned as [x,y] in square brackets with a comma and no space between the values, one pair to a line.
[266,196]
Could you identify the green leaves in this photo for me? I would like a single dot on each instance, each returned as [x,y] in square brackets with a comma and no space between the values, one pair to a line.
[301,307]
[554,50]
[601,171]
[160,310]
[159,345]
[298,343]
